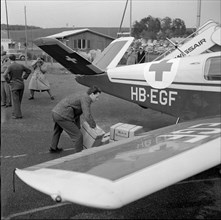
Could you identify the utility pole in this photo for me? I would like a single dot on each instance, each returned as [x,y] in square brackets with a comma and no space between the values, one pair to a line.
[119,31]
[7,19]
[26,37]
[198,14]
[130,16]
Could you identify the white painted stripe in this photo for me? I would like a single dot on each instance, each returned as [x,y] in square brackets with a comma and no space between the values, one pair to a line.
[198,181]
[196,87]
[209,88]
[21,155]
[69,149]
[31,211]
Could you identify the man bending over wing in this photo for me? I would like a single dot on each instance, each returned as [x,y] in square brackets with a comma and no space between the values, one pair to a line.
[66,116]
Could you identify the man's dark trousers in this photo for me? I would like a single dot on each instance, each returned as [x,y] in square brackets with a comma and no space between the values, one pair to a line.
[16,102]
[70,128]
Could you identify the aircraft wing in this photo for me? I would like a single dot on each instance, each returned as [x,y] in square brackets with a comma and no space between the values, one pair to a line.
[113,175]
[67,57]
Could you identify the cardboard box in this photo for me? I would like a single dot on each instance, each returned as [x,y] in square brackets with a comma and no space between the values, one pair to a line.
[90,137]
[121,131]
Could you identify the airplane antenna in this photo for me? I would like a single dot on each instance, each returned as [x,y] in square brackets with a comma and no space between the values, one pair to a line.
[176,46]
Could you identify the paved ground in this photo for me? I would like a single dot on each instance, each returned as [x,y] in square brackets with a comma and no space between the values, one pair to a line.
[25,143]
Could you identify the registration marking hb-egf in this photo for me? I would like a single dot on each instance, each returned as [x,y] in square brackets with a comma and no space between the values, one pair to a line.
[155,96]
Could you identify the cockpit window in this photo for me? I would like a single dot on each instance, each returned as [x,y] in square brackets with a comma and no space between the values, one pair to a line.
[213,68]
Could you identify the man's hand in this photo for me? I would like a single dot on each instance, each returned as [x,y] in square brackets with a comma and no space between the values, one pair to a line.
[98,130]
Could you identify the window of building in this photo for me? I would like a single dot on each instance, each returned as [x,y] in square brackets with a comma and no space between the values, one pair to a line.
[213,69]
[81,44]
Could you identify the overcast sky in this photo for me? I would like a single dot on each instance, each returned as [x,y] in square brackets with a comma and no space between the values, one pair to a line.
[104,13]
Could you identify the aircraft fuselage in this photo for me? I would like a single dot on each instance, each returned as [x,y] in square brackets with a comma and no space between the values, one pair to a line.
[187,88]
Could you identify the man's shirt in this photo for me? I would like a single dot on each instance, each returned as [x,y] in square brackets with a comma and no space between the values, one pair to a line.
[73,106]
[15,73]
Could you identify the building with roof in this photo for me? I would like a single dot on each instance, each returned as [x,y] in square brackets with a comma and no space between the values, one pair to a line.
[83,39]
[6,43]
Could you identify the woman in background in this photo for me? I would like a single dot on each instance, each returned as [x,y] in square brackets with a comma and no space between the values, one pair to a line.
[38,81]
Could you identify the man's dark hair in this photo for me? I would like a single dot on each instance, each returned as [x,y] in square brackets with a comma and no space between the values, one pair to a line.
[12,57]
[93,89]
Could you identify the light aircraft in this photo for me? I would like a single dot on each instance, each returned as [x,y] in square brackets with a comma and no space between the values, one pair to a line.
[187,87]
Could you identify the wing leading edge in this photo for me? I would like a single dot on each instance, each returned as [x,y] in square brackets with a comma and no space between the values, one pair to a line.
[150,162]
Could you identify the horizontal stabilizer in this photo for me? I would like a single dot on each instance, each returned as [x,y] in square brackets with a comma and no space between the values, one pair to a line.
[71,60]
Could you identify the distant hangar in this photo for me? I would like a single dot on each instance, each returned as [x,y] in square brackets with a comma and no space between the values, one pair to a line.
[83,39]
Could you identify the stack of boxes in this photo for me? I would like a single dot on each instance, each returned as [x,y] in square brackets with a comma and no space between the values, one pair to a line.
[119,131]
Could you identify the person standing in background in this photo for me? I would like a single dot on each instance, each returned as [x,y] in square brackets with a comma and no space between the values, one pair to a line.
[132,57]
[38,81]
[15,75]
[5,89]
[141,55]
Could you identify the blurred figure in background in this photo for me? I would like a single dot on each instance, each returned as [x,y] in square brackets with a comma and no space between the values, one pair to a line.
[141,55]
[38,81]
[132,57]
[5,89]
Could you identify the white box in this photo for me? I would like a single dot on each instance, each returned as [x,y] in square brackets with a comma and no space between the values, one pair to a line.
[122,131]
[90,137]
[112,130]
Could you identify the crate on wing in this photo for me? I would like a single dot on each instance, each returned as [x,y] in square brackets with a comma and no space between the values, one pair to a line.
[91,137]
[121,131]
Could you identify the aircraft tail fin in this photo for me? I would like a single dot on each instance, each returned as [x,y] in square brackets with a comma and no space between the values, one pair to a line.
[113,53]
[70,59]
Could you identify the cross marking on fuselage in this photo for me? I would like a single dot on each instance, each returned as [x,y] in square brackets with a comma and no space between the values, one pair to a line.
[71,59]
[159,68]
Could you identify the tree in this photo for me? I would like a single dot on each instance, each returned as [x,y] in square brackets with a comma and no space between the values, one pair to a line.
[147,28]
[137,29]
[166,23]
[166,28]
[156,28]
[17,27]
[178,27]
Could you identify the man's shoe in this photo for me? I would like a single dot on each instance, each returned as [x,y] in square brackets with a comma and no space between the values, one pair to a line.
[57,150]
[30,98]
